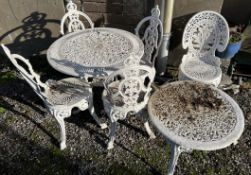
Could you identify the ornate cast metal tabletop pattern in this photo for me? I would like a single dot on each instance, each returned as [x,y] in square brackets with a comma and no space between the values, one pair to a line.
[196,116]
[93,52]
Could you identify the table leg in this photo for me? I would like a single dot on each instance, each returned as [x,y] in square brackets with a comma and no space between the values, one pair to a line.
[175,152]
[94,115]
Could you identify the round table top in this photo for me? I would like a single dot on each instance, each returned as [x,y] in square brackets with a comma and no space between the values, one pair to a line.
[93,51]
[196,115]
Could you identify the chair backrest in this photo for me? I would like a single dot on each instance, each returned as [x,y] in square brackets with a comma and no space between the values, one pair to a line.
[29,75]
[205,32]
[73,19]
[129,88]
[152,36]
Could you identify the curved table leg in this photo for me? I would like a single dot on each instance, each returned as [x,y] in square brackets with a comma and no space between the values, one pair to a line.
[175,152]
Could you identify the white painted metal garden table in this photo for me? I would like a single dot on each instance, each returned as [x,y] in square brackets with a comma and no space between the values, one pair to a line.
[94,52]
[206,122]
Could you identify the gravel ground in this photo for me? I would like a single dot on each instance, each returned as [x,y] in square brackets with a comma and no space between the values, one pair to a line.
[29,139]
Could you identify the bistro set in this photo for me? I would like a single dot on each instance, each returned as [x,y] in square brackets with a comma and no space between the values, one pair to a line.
[191,113]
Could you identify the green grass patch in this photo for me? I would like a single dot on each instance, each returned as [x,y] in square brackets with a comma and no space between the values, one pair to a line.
[2,110]
[120,169]
[7,76]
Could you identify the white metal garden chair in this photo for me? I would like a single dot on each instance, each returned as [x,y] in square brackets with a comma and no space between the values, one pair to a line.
[72,17]
[205,32]
[127,91]
[60,97]
[151,36]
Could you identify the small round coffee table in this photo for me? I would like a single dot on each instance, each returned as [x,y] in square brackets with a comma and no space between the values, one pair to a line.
[94,53]
[195,116]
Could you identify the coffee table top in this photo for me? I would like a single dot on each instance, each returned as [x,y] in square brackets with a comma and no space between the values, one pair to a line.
[93,51]
[196,115]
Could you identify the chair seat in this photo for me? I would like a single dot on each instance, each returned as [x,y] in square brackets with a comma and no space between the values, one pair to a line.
[67,91]
[200,71]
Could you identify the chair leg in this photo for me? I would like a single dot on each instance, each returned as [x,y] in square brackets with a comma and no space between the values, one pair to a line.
[94,115]
[175,151]
[146,124]
[149,131]
[60,120]
[112,135]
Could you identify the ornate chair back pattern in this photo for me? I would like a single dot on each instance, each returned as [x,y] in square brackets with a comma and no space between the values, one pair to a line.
[152,36]
[29,75]
[129,88]
[73,17]
[204,33]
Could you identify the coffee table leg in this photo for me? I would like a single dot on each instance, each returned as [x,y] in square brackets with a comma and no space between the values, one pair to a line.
[175,152]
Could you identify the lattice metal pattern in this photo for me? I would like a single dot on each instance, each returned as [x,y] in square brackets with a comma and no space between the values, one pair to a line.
[104,47]
[204,33]
[127,91]
[152,36]
[94,52]
[199,113]
[194,115]
[72,18]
